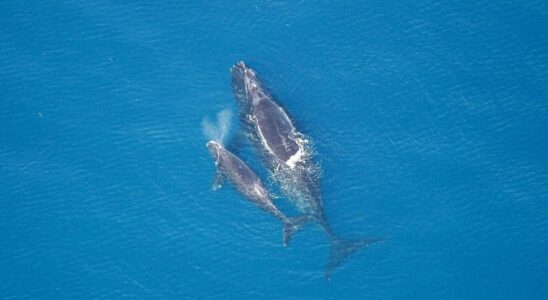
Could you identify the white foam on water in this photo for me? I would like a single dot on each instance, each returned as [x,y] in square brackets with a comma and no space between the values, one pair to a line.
[294,159]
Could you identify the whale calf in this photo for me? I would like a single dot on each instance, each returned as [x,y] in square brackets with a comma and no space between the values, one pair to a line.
[288,156]
[230,167]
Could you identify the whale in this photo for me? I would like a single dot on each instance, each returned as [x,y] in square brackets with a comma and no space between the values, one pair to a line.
[229,166]
[288,155]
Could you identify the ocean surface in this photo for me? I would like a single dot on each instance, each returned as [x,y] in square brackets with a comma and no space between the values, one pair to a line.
[429,119]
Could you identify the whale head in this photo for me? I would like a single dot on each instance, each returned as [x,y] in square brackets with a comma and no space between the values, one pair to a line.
[245,83]
[214,149]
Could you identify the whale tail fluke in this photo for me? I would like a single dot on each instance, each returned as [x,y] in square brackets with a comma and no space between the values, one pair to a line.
[341,249]
[291,225]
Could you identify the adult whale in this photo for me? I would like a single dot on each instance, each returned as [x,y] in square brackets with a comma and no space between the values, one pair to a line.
[230,167]
[288,155]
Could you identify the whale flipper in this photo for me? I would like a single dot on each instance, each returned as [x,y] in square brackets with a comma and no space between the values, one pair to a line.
[218,181]
[341,249]
[291,225]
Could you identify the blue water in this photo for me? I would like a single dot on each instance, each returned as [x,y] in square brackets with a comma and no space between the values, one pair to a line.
[430,121]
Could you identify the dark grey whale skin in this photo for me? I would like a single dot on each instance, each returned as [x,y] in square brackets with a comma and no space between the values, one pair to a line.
[273,133]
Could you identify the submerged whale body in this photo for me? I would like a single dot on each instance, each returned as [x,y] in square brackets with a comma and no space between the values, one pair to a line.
[230,167]
[288,156]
